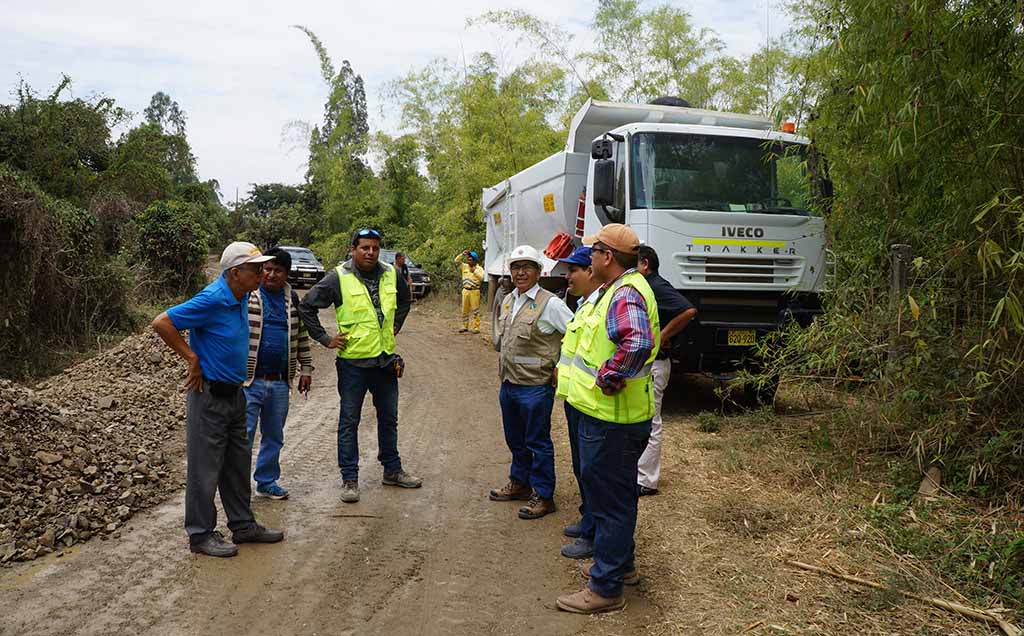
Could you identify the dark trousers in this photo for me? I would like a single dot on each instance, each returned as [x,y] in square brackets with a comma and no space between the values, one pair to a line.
[572,416]
[609,454]
[218,456]
[526,417]
[353,383]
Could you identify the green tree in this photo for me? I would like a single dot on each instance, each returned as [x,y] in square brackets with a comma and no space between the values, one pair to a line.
[337,147]
[63,144]
[165,113]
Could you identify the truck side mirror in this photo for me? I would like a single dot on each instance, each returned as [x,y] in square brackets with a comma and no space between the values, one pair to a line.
[604,182]
[601,149]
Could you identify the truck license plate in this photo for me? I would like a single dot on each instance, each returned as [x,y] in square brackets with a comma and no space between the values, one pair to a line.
[744,338]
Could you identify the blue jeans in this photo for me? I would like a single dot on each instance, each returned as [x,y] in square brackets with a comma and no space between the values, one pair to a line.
[609,454]
[526,416]
[266,403]
[353,383]
[572,416]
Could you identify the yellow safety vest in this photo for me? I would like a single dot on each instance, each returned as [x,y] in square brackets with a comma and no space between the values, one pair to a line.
[569,342]
[471,278]
[635,402]
[367,337]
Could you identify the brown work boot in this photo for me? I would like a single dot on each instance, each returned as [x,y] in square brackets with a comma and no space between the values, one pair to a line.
[512,491]
[586,601]
[629,578]
[537,507]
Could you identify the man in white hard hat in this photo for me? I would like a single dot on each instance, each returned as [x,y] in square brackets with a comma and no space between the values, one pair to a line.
[530,327]
[216,441]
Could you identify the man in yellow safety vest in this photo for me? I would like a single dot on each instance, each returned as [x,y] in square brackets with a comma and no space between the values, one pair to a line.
[371,302]
[582,286]
[472,276]
[610,385]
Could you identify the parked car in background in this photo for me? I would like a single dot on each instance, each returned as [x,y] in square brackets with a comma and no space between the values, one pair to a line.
[421,284]
[306,269]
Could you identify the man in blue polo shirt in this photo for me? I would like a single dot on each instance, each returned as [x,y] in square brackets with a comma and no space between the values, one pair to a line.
[217,443]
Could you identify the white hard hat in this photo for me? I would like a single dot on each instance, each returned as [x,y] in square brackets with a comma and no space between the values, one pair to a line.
[525,253]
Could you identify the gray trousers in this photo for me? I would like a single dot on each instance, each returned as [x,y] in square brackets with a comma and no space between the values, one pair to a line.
[219,456]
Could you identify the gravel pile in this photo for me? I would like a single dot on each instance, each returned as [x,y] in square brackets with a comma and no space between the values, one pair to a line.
[89,447]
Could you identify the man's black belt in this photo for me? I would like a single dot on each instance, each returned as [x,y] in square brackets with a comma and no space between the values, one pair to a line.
[222,389]
[270,377]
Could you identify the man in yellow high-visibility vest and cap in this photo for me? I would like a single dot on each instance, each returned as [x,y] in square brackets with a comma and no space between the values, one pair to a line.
[371,302]
[610,386]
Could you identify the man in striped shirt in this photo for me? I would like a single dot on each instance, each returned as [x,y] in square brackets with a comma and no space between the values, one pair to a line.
[278,347]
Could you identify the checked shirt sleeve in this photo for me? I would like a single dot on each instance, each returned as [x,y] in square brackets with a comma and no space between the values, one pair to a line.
[629,327]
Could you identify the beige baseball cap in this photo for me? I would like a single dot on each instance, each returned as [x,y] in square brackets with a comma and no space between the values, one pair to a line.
[617,236]
[240,253]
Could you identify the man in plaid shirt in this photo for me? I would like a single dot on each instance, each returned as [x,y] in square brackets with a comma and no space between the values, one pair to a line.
[617,346]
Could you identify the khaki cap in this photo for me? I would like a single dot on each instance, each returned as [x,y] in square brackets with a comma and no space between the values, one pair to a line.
[617,236]
[240,253]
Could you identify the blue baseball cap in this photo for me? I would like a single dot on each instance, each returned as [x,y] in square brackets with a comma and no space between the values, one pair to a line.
[580,256]
[475,256]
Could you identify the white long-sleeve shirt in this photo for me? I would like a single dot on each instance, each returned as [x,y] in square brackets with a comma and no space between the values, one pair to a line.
[556,314]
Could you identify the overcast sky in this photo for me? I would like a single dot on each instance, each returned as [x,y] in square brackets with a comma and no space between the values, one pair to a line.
[241,73]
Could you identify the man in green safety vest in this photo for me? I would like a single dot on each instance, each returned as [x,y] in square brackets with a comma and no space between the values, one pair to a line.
[610,386]
[583,286]
[371,302]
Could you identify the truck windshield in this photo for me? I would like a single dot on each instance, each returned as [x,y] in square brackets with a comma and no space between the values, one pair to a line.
[673,171]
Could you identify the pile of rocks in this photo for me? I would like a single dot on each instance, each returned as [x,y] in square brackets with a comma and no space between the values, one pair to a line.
[89,447]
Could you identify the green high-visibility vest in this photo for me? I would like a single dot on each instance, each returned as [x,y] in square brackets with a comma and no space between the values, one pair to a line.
[569,342]
[635,402]
[367,337]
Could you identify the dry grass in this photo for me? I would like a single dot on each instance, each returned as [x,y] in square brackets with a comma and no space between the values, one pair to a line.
[735,505]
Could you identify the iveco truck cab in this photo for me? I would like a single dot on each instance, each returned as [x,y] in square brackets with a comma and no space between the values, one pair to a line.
[723,198]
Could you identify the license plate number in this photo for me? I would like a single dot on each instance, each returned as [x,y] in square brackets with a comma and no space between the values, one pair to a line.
[742,338]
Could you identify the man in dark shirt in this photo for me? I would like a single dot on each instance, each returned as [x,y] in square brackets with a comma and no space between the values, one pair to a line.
[366,353]
[674,313]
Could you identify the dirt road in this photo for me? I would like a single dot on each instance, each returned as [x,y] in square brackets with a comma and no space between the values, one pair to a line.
[439,560]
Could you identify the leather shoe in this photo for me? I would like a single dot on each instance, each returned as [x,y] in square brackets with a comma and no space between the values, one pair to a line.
[256,534]
[513,490]
[586,601]
[212,544]
[581,548]
[537,507]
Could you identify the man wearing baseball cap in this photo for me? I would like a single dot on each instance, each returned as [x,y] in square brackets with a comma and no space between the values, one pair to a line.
[217,443]
[530,327]
[583,286]
[610,386]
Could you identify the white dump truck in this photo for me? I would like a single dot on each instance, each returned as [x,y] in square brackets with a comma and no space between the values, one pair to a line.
[723,198]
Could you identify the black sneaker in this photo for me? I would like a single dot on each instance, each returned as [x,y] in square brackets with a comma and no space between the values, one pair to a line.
[256,534]
[212,544]
[647,492]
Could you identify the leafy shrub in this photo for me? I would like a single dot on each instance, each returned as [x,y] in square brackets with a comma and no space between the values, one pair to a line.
[173,245]
[61,287]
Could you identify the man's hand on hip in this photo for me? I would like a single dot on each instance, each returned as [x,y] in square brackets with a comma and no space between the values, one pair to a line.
[194,378]
[339,341]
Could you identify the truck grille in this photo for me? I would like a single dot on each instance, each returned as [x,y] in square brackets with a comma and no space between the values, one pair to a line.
[770,273]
